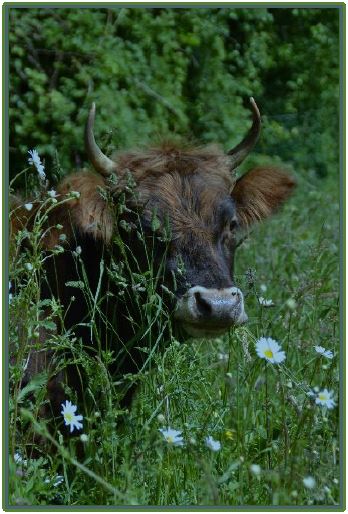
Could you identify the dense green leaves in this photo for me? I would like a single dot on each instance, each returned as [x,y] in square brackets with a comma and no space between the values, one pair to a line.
[155,71]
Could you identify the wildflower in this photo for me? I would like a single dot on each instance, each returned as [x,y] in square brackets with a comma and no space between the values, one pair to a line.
[35,160]
[29,266]
[309,482]
[52,193]
[161,418]
[291,304]
[213,445]
[84,438]
[28,206]
[255,469]
[230,434]
[222,357]
[263,288]
[19,459]
[265,303]
[326,353]
[324,398]
[269,349]
[70,417]
[78,250]
[10,295]
[75,194]
[172,436]
[56,481]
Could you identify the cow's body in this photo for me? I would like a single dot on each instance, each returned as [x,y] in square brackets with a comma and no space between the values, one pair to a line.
[187,206]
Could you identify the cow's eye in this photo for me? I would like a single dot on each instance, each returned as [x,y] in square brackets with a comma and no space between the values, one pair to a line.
[232,225]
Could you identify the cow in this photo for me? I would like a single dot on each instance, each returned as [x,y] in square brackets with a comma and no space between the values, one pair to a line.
[175,208]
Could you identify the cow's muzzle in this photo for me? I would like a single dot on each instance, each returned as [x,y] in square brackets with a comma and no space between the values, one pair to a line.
[209,312]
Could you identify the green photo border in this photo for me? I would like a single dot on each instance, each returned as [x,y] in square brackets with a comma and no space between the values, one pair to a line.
[341,6]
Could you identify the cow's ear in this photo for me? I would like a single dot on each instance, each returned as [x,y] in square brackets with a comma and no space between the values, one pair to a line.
[260,192]
[86,213]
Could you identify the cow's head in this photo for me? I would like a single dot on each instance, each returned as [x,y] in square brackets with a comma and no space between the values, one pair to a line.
[197,200]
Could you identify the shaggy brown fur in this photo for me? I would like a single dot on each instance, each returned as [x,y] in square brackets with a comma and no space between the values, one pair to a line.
[185,184]
[260,192]
[170,157]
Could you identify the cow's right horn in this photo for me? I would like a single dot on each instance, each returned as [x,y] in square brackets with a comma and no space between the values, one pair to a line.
[100,162]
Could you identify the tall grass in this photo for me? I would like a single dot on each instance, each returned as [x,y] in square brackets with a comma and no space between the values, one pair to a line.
[278,447]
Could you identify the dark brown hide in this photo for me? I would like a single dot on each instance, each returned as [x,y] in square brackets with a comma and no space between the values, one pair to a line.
[192,190]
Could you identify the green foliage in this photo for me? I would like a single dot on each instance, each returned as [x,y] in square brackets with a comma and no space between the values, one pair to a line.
[157,71]
[188,71]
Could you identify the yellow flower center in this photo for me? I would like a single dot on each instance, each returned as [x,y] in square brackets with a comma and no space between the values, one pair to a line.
[269,354]
[69,417]
[229,434]
[170,439]
[322,397]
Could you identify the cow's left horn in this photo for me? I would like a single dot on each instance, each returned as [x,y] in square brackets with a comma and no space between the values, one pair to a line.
[239,152]
[100,162]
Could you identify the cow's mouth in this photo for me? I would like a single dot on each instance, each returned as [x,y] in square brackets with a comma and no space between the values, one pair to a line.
[209,313]
[200,330]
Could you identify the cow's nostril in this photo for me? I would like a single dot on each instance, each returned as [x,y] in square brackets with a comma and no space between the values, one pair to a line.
[203,305]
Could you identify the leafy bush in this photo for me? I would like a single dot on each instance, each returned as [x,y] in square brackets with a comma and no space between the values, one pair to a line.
[157,71]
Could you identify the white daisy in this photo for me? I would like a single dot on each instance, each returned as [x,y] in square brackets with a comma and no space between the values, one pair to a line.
[59,479]
[255,469]
[222,357]
[291,304]
[269,349]
[324,398]
[70,417]
[309,482]
[265,303]
[55,481]
[173,437]
[19,459]
[28,206]
[326,353]
[213,445]
[35,160]
[52,193]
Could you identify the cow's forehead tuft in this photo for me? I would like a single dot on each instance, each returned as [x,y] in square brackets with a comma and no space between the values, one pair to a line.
[171,157]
